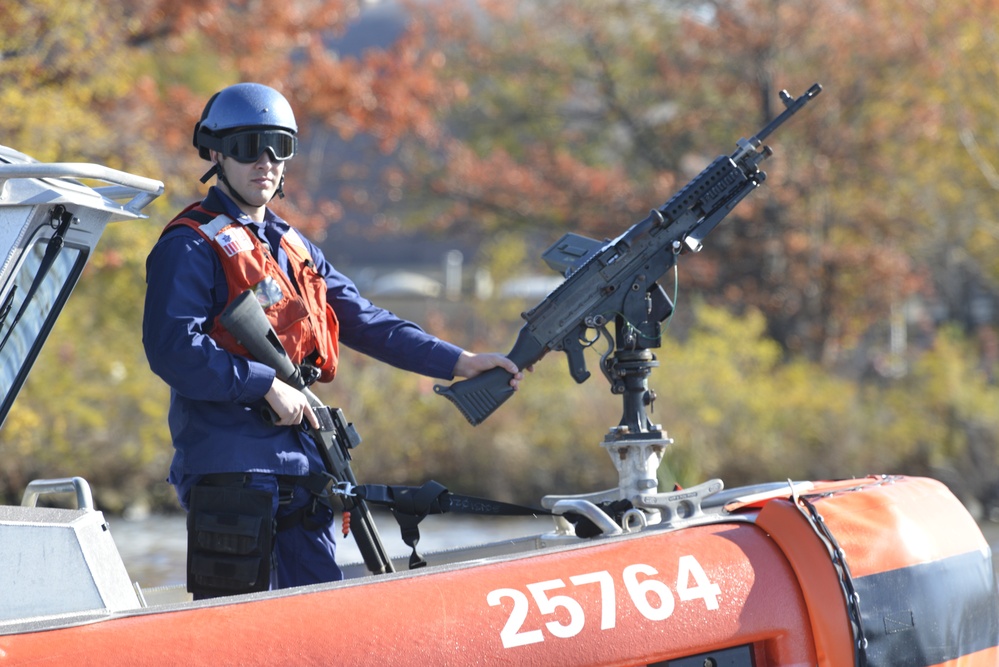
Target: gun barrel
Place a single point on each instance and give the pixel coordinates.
(793, 106)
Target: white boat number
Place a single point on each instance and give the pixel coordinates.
(651, 597)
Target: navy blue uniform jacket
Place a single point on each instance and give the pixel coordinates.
(215, 396)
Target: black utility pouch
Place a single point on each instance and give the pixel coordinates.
(229, 537)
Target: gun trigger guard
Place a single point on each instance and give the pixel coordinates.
(587, 342)
(604, 365)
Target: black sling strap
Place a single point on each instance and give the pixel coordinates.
(410, 504)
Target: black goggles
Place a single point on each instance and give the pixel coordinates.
(247, 146)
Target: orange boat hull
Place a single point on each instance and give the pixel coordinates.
(913, 585)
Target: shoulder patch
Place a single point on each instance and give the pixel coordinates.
(215, 225)
(293, 238)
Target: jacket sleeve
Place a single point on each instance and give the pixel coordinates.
(185, 291)
(381, 334)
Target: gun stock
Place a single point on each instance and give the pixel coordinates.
(478, 397)
(245, 319)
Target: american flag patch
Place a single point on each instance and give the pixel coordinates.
(234, 240)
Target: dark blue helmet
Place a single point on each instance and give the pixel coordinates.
(240, 113)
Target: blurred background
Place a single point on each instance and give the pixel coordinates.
(842, 321)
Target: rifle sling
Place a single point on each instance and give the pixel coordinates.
(410, 504)
(434, 498)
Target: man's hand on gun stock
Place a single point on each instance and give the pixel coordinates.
(291, 406)
(470, 364)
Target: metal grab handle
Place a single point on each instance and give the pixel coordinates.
(599, 518)
(77, 485)
(142, 190)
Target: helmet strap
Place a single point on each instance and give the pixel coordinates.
(217, 169)
(211, 172)
(228, 185)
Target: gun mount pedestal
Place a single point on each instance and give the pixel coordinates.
(636, 447)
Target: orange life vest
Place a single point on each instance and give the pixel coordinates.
(303, 320)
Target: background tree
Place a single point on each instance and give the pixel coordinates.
(590, 112)
(122, 84)
(534, 118)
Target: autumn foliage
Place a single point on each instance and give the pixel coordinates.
(834, 310)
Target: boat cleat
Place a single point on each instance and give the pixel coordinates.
(682, 506)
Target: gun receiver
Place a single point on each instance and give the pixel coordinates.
(616, 280)
(245, 319)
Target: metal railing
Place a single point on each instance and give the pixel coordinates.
(139, 189)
